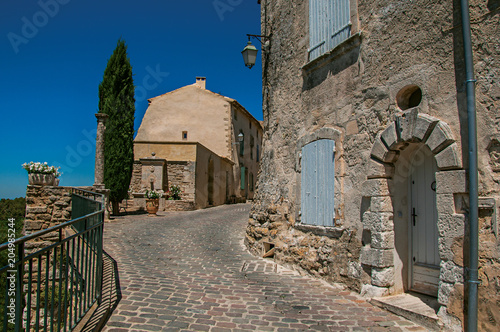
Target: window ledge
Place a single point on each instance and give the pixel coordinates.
(330, 232)
(341, 49)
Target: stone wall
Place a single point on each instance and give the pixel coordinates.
(356, 91)
(135, 182)
(178, 206)
(46, 207)
(182, 174)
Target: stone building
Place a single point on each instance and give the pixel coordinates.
(365, 153)
(206, 143)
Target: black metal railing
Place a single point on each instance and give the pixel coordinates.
(54, 276)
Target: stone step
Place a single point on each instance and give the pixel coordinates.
(417, 308)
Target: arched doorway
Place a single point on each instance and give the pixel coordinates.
(402, 248)
(423, 233)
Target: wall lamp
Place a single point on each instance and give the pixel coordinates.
(250, 52)
(240, 139)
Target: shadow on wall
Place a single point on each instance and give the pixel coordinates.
(330, 65)
(493, 4)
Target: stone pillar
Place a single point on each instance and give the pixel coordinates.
(99, 151)
(378, 252)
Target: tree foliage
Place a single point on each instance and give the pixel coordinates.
(12, 208)
(116, 99)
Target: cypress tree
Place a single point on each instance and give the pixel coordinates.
(116, 99)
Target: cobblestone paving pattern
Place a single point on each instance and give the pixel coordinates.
(189, 271)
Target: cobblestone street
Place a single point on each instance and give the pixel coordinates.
(189, 271)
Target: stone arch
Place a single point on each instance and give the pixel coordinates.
(412, 127)
(323, 133)
(409, 129)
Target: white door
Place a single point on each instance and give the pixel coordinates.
(424, 257)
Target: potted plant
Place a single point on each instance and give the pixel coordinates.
(174, 193)
(42, 174)
(152, 201)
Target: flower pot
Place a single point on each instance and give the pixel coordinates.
(152, 206)
(41, 179)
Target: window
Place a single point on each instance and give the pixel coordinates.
(184, 135)
(318, 183)
(329, 25)
(235, 115)
(250, 124)
(250, 182)
(258, 154)
(251, 147)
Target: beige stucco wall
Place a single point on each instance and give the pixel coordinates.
(171, 151)
(222, 170)
(203, 114)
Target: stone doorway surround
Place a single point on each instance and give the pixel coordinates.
(378, 250)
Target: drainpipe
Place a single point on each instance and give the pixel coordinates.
(473, 191)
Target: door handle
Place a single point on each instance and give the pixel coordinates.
(413, 216)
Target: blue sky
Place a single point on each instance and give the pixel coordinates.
(52, 58)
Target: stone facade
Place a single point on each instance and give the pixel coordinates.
(391, 92)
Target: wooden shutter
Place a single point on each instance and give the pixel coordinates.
(329, 25)
(318, 183)
(242, 178)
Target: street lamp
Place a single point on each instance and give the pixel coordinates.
(250, 52)
(240, 139)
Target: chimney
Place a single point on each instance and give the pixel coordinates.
(201, 82)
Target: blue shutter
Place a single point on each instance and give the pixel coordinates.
(329, 25)
(242, 178)
(318, 183)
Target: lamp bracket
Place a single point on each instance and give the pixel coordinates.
(258, 37)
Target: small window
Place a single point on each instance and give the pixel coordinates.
(184, 135)
(408, 97)
(235, 115)
(258, 154)
(250, 184)
(251, 147)
(250, 124)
